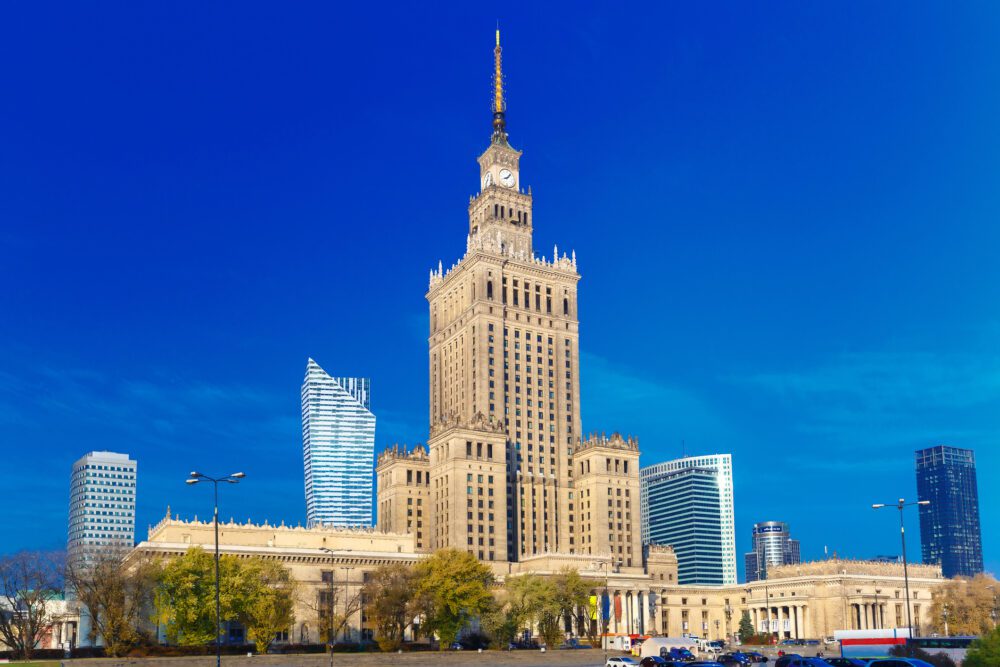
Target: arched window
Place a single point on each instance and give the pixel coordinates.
(489, 290)
(565, 306)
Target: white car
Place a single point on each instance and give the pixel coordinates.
(620, 662)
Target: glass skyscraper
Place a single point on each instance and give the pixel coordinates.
(772, 545)
(338, 448)
(949, 525)
(688, 504)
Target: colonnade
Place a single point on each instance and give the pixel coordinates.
(870, 616)
(788, 621)
(629, 612)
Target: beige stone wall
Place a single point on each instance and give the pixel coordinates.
(607, 498)
(468, 490)
(403, 494)
(504, 344)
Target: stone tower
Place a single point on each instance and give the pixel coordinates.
(504, 365)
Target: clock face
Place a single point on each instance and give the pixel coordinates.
(507, 178)
(488, 180)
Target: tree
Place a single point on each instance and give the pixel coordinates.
(264, 600)
(185, 596)
(746, 625)
(985, 651)
(332, 617)
(969, 605)
(572, 595)
(387, 595)
(116, 595)
(28, 582)
(452, 587)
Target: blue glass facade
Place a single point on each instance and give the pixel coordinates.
(949, 526)
(338, 448)
(683, 511)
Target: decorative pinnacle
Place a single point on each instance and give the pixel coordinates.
(499, 123)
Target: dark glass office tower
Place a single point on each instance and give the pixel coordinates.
(949, 526)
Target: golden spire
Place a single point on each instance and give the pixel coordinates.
(497, 78)
(499, 123)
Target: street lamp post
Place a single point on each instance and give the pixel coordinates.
(944, 615)
(900, 504)
(329, 633)
(234, 478)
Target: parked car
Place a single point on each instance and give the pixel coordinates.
(703, 663)
(756, 656)
(679, 654)
(456, 646)
(786, 659)
(653, 661)
(811, 642)
(846, 662)
(735, 659)
(898, 662)
(808, 662)
(620, 661)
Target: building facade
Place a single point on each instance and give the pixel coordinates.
(338, 448)
(101, 503)
(505, 444)
(801, 601)
(688, 504)
(949, 525)
(772, 545)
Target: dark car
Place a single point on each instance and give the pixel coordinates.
(653, 661)
(735, 659)
(846, 662)
(703, 663)
(679, 654)
(786, 660)
(756, 657)
(808, 662)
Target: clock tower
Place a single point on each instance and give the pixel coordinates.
(501, 212)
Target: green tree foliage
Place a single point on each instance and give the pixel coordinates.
(985, 651)
(265, 601)
(572, 595)
(185, 597)
(452, 587)
(117, 595)
(256, 592)
(746, 625)
(388, 604)
(969, 605)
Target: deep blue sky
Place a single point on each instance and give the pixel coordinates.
(786, 219)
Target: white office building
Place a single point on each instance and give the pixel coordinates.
(688, 504)
(338, 448)
(101, 502)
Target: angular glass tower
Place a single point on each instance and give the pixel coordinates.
(688, 504)
(949, 526)
(338, 448)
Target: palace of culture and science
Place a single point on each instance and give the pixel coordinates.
(506, 475)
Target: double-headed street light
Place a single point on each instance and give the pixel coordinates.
(234, 478)
(900, 504)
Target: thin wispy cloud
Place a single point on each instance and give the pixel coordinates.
(903, 397)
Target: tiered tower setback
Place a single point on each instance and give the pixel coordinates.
(504, 402)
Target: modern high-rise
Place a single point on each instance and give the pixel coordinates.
(688, 504)
(101, 503)
(338, 448)
(772, 545)
(949, 525)
(510, 476)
